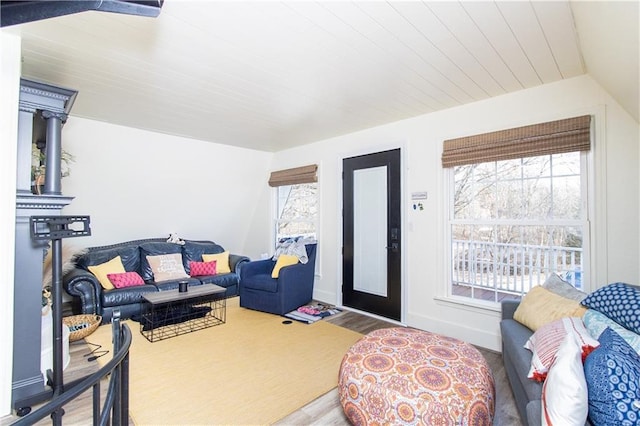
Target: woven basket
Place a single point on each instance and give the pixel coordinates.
(80, 326)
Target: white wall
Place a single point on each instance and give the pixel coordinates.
(10, 90)
(139, 184)
(134, 184)
(615, 160)
(622, 196)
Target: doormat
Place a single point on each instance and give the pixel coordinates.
(313, 312)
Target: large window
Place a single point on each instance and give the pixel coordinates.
(515, 217)
(297, 211)
(297, 202)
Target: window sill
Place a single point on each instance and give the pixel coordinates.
(467, 304)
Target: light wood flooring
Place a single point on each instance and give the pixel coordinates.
(325, 410)
(79, 411)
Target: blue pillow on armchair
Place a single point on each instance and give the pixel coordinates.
(612, 372)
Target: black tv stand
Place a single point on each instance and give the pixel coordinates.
(53, 228)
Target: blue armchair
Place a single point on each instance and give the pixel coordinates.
(293, 287)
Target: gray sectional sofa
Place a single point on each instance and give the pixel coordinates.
(517, 359)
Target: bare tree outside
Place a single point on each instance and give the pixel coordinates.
(297, 210)
(516, 221)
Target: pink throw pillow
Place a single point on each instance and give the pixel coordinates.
(126, 279)
(199, 269)
(545, 342)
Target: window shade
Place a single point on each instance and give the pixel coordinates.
(304, 174)
(553, 137)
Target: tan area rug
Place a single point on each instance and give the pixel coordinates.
(251, 370)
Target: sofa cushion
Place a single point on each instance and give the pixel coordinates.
(283, 260)
(613, 381)
(129, 255)
(596, 323)
(173, 284)
(101, 271)
(198, 269)
(126, 296)
(261, 282)
(154, 249)
(167, 267)
(540, 306)
(125, 279)
(618, 301)
(534, 412)
(222, 261)
(514, 337)
(223, 280)
(192, 251)
(564, 393)
(546, 341)
(557, 285)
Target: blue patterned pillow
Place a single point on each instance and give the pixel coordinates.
(618, 301)
(612, 372)
(596, 322)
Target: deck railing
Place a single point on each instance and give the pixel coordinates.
(512, 268)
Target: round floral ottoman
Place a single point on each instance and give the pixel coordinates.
(407, 376)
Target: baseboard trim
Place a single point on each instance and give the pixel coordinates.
(472, 335)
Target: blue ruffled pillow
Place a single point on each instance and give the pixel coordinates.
(596, 322)
(612, 372)
(618, 301)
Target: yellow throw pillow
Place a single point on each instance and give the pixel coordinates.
(114, 266)
(222, 259)
(283, 260)
(540, 306)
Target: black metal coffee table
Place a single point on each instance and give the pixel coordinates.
(172, 313)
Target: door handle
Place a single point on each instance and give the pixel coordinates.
(393, 247)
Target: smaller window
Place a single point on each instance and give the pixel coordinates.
(297, 211)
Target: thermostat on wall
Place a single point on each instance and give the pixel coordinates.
(419, 195)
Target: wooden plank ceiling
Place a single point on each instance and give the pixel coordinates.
(269, 76)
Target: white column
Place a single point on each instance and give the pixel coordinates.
(10, 46)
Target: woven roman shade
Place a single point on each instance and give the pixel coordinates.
(304, 174)
(553, 137)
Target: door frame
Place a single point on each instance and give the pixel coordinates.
(402, 146)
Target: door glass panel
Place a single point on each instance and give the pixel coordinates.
(370, 230)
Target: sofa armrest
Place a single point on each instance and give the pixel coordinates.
(295, 283)
(299, 275)
(508, 308)
(83, 284)
(257, 267)
(237, 261)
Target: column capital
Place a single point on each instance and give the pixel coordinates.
(59, 115)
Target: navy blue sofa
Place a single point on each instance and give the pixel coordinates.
(293, 287)
(90, 298)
